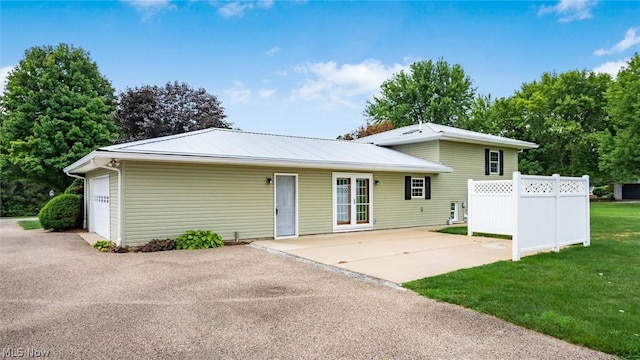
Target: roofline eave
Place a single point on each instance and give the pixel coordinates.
(85, 161)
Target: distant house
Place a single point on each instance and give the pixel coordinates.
(627, 191)
(247, 185)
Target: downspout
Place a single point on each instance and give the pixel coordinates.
(113, 168)
(84, 189)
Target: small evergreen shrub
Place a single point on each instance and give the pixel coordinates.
(602, 192)
(157, 245)
(199, 239)
(61, 213)
(103, 245)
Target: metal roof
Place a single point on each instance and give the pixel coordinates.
(429, 131)
(238, 147)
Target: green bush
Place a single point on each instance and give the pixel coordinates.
(76, 187)
(103, 245)
(199, 239)
(602, 191)
(61, 213)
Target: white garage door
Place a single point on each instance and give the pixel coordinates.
(100, 214)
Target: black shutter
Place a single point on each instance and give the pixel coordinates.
(487, 168)
(501, 162)
(427, 187)
(407, 187)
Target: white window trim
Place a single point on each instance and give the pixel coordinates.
(491, 152)
(455, 211)
(274, 206)
(421, 196)
(351, 227)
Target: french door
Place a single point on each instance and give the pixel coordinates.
(352, 201)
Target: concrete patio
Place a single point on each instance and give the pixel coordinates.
(397, 255)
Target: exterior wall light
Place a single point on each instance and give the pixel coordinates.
(269, 181)
(376, 182)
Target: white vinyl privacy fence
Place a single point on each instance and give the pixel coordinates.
(539, 212)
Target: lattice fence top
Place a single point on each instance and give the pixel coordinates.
(537, 186)
(572, 186)
(493, 187)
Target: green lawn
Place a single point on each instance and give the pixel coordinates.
(30, 224)
(462, 230)
(588, 296)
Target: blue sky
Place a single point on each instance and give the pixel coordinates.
(308, 67)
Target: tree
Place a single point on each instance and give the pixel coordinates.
(21, 198)
(620, 147)
(428, 92)
(152, 111)
(366, 130)
(56, 108)
(566, 115)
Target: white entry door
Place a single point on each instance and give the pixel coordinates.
(352, 202)
(100, 217)
(286, 204)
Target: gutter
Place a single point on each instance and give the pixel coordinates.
(84, 189)
(262, 162)
(113, 168)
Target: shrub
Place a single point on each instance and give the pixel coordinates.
(157, 245)
(61, 213)
(602, 191)
(103, 245)
(76, 187)
(199, 239)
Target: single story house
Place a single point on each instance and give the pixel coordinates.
(246, 185)
(627, 191)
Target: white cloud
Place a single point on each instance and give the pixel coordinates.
(337, 84)
(265, 4)
(4, 73)
(265, 94)
(274, 50)
(281, 73)
(630, 39)
(611, 67)
(148, 8)
(239, 8)
(238, 93)
(570, 10)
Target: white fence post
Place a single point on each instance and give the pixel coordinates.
(469, 204)
(587, 241)
(515, 248)
(556, 216)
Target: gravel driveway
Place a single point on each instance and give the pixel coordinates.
(58, 295)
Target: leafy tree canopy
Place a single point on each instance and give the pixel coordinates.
(152, 111)
(429, 92)
(620, 147)
(56, 108)
(565, 114)
(366, 130)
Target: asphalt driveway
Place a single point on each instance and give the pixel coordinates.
(60, 296)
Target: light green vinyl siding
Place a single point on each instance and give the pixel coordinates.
(429, 150)
(468, 162)
(391, 210)
(113, 199)
(166, 199)
(163, 200)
